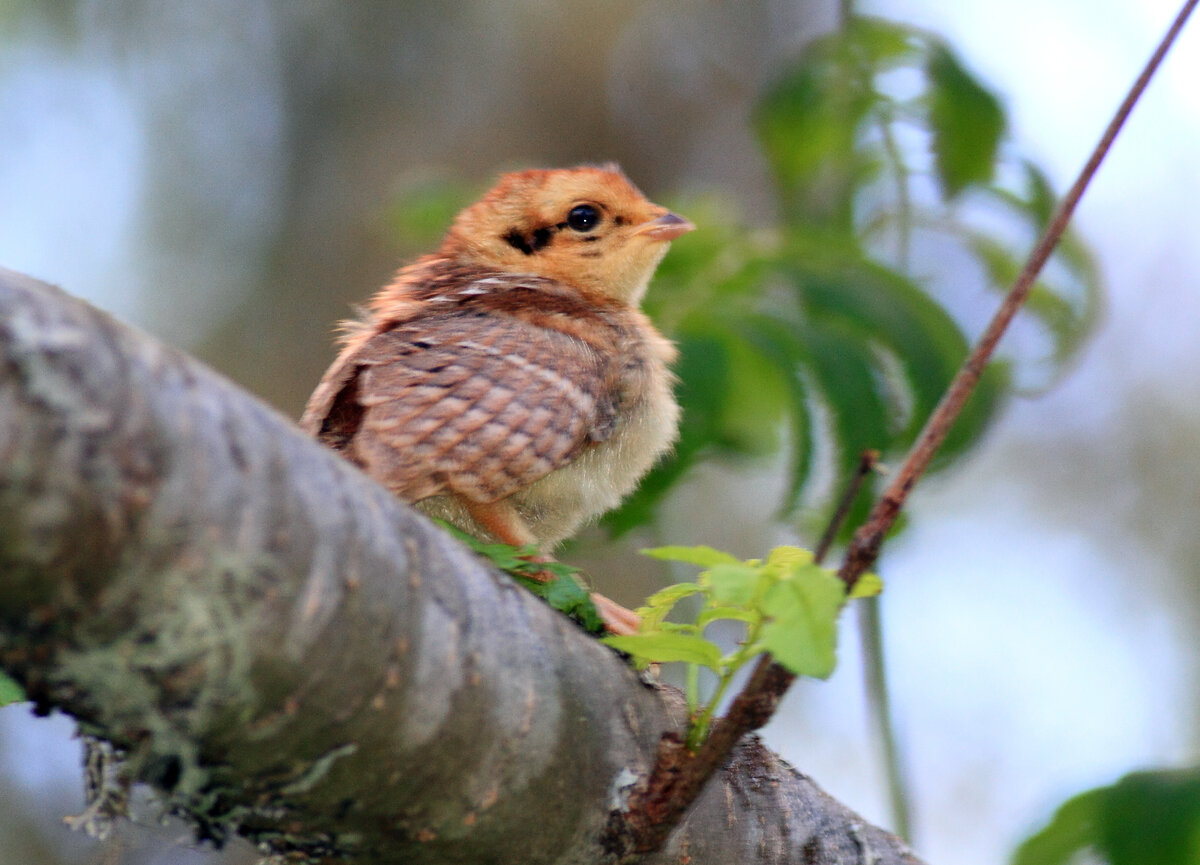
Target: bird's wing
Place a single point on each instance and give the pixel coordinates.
(476, 405)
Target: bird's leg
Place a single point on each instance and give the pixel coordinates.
(501, 520)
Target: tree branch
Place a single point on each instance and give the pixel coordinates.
(286, 652)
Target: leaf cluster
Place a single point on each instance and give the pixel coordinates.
(895, 195)
(556, 583)
(786, 605)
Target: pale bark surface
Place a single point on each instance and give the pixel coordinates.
(290, 654)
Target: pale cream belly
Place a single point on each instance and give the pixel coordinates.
(557, 505)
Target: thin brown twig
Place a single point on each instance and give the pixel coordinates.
(866, 464)
(666, 800)
(864, 548)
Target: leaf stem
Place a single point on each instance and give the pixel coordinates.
(750, 647)
(870, 626)
(903, 200)
(699, 728)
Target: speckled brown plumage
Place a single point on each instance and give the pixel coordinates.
(509, 383)
(475, 396)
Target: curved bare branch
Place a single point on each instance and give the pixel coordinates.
(287, 653)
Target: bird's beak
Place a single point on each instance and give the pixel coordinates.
(667, 227)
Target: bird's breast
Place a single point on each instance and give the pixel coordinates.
(607, 471)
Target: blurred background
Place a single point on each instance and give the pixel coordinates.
(231, 177)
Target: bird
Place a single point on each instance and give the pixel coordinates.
(509, 382)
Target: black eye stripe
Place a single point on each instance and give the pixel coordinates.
(518, 241)
(581, 219)
(531, 243)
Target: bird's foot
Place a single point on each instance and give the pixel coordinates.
(617, 619)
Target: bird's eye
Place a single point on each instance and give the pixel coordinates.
(583, 217)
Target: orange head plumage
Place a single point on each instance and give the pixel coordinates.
(588, 227)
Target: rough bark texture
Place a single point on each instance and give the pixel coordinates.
(288, 653)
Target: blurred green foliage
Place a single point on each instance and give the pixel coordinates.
(819, 325)
(10, 691)
(421, 214)
(1146, 818)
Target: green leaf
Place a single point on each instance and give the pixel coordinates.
(807, 125)
(565, 594)
(882, 42)
(532, 564)
(672, 594)
(811, 123)
(659, 605)
(504, 556)
(874, 350)
(734, 585)
(789, 557)
(847, 374)
(1068, 311)
(779, 344)
(1072, 830)
(672, 627)
(1059, 316)
(737, 614)
(10, 691)
(877, 305)
(703, 556)
(1041, 200)
(803, 632)
(1152, 818)
(666, 647)
(1146, 818)
(867, 585)
(967, 123)
(749, 423)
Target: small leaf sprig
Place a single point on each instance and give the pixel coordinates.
(563, 590)
(787, 604)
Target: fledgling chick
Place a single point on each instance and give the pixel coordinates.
(508, 383)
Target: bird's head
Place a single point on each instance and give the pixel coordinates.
(588, 227)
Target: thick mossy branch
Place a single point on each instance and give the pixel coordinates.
(287, 653)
